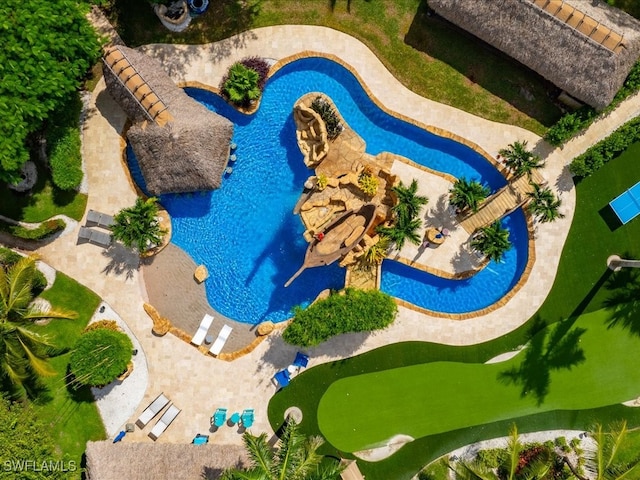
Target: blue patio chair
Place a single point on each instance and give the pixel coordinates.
(283, 377)
(247, 418)
(219, 417)
(200, 439)
(301, 360)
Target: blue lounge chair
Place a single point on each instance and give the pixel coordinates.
(247, 418)
(219, 417)
(301, 360)
(283, 377)
(200, 439)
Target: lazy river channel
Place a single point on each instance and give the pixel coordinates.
(245, 232)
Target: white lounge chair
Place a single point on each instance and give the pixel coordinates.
(198, 338)
(165, 420)
(152, 410)
(216, 348)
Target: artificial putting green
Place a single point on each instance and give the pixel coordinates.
(575, 366)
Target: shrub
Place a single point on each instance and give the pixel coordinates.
(63, 144)
(571, 123)
(42, 231)
(328, 115)
(9, 258)
(348, 311)
(368, 183)
(106, 324)
(492, 457)
(612, 146)
(99, 356)
(260, 66)
(241, 85)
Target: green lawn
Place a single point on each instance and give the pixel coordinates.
(362, 411)
(425, 53)
(43, 202)
(583, 285)
(72, 415)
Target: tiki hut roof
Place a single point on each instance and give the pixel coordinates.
(586, 48)
(158, 461)
(181, 146)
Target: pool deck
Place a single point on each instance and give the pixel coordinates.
(199, 384)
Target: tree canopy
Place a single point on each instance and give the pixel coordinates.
(47, 48)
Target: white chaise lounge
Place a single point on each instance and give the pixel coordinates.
(198, 338)
(216, 348)
(165, 420)
(152, 410)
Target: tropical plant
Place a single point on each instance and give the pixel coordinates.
(351, 310)
(409, 202)
(543, 204)
(99, 356)
(376, 253)
(294, 458)
(467, 194)
(241, 85)
(23, 439)
(492, 241)
(602, 457)
(43, 61)
(328, 115)
(401, 231)
(138, 226)
(519, 159)
(23, 352)
(368, 183)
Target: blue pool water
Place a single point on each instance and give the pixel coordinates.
(245, 232)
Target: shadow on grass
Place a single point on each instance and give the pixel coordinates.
(624, 301)
(332, 5)
(483, 65)
(610, 218)
(552, 349)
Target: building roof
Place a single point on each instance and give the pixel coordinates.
(158, 461)
(585, 48)
(181, 146)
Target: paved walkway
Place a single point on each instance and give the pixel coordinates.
(198, 384)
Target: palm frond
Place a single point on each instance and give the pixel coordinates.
(259, 451)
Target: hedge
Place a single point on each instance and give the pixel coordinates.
(99, 356)
(46, 228)
(603, 151)
(572, 123)
(348, 311)
(64, 145)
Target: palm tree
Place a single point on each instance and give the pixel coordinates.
(409, 202)
(492, 241)
(242, 84)
(401, 231)
(138, 226)
(295, 458)
(603, 461)
(23, 352)
(520, 160)
(467, 194)
(375, 254)
(544, 204)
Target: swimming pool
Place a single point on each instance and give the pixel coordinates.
(245, 232)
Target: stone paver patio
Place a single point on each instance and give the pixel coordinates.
(199, 384)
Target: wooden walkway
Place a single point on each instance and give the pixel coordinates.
(502, 203)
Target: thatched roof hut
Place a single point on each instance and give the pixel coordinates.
(158, 461)
(586, 48)
(181, 146)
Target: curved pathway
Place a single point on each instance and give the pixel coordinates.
(198, 384)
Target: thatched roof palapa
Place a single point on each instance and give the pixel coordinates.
(582, 66)
(181, 146)
(158, 461)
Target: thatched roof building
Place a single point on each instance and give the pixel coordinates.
(181, 146)
(586, 48)
(158, 461)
